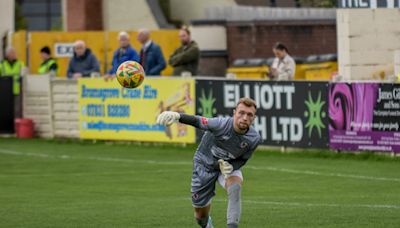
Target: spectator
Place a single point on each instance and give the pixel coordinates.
(49, 64)
(186, 57)
(83, 63)
(124, 53)
(283, 67)
(12, 67)
(151, 56)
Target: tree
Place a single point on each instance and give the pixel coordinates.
(319, 3)
(20, 22)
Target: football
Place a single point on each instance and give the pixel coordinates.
(130, 74)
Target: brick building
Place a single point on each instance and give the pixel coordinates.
(252, 31)
(84, 15)
(255, 39)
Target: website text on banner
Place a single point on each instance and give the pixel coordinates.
(364, 116)
(289, 113)
(108, 111)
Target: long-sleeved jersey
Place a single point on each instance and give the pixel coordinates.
(221, 141)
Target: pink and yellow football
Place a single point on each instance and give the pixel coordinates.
(130, 74)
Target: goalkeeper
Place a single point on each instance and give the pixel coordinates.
(225, 147)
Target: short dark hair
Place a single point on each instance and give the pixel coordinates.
(247, 102)
(186, 29)
(280, 46)
(46, 50)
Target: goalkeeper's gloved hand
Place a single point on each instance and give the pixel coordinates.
(225, 167)
(167, 118)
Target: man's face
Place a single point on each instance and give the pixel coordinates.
(243, 117)
(141, 38)
(123, 41)
(184, 37)
(44, 55)
(79, 50)
(279, 53)
(11, 55)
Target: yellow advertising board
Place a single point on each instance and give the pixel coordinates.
(110, 112)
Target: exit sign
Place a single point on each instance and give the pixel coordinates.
(63, 50)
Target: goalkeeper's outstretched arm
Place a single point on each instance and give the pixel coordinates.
(167, 118)
(190, 120)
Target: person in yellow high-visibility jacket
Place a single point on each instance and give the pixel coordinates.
(12, 67)
(49, 65)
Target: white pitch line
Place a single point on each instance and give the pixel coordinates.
(138, 161)
(298, 204)
(11, 152)
(307, 172)
(89, 173)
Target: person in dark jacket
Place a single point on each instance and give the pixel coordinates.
(83, 63)
(186, 57)
(124, 53)
(151, 56)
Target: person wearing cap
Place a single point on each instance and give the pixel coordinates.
(124, 53)
(49, 65)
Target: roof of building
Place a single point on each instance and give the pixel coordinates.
(248, 13)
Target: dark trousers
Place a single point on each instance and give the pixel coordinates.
(18, 106)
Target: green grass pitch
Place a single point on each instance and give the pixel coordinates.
(80, 184)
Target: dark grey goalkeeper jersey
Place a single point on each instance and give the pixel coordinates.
(220, 141)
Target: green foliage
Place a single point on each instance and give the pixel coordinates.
(57, 26)
(319, 3)
(20, 22)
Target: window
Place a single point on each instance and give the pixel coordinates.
(41, 15)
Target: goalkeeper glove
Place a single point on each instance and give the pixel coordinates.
(225, 167)
(167, 118)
